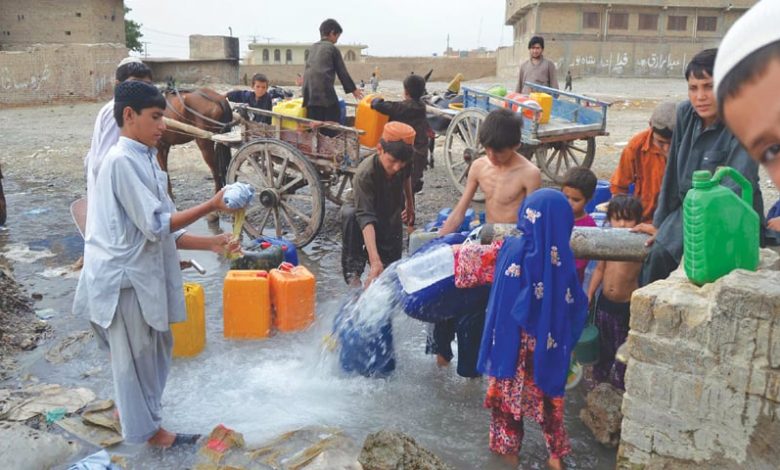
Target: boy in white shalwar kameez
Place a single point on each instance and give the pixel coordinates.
(131, 284)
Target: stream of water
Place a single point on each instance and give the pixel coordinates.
(264, 388)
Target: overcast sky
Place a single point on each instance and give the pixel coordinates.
(388, 28)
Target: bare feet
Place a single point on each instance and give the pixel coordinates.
(555, 464)
(511, 459)
(442, 361)
(162, 439)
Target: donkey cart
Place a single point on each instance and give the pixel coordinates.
(566, 141)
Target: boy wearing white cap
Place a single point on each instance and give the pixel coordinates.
(747, 73)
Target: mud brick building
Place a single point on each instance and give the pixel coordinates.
(641, 38)
(59, 50)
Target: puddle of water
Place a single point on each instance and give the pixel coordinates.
(263, 388)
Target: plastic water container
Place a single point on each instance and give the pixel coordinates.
(601, 194)
(288, 248)
(293, 291)
(419, 238)
(545, 101)
(292, 108)
(514, 96)
(428, 291)
(189, 337)
(720, 230)
(370, 121)
(426, 269)
(265, 258)
(342, 112)
(441, 217)
(246, 305)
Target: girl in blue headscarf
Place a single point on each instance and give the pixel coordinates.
(535, 316)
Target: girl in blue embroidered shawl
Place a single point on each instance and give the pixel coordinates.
(535, 315)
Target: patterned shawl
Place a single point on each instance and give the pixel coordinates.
(536, 289)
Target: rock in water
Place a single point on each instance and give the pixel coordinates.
(602, 414)
(390, 450)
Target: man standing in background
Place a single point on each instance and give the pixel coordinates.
(536, 69)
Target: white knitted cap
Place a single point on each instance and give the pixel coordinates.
(127, 60)
(757, 28)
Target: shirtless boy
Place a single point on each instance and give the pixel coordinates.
(506, 178)
(618, 280)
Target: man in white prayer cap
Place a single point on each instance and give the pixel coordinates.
(747, 74)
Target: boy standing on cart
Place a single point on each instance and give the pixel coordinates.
(319, 76)
(381, 202)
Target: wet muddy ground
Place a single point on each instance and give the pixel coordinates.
(268, 387)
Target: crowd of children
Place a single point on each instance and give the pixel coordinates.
(524, 336)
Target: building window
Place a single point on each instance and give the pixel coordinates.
(350, 57)
(707, 23)
(591, 20)
(277, 55)
(78, 14)
(677, 23)
(521, 27)
(618, 21)
(288, 56)
(306, 55)
(67, 33)
(648, 22)
(265, 56)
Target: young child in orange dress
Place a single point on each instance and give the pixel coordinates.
(535, 315)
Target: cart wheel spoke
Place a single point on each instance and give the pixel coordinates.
(558, 159)
(573, 157)
(289, 190)
(461, 146)
(289, 185)
(289, 220)
(572, 146)
(260, 173)
(269, 166)
(251, 179)
(282, 172)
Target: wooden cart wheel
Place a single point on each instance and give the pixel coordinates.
(290, 201)
(2, 200)
(337, 187)
(461, 147)
(556, 158)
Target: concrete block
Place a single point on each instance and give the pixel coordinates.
(642, 302)
(772, 389)
(763, 339)
(678, 355)
(757, 382)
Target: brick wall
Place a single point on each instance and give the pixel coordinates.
(24, 23)
(703, 377)
(195, 71)
(64, 72)
(390, 68)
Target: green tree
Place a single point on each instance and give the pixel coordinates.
(133, 34)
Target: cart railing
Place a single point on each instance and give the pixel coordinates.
(577, 109)
(304, 122)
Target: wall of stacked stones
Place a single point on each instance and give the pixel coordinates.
(703, 376)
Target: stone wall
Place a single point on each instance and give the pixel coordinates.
(390, 68)
(703, 377)
(195, 71)
(64, 72)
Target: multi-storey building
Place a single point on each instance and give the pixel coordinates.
(618, 37)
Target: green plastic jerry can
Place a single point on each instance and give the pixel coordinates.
(267, 258)
(720, 229)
